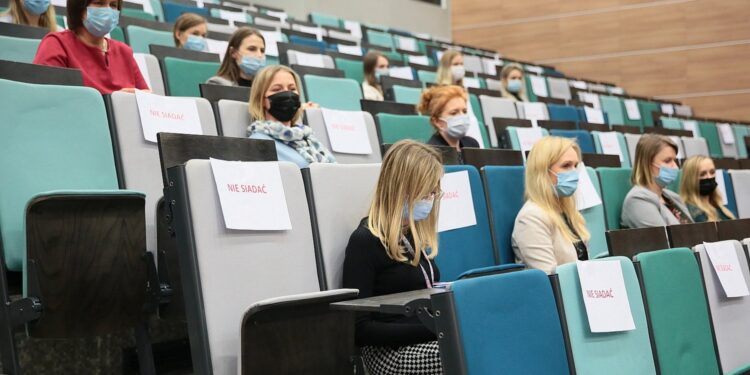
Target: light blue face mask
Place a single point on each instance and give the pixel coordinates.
(667, 175)
(422, 209)
(251, 65)
(380, 73)
(101, 21)
(567, 183)
(36, 7)
(514, 85)
(195, 43)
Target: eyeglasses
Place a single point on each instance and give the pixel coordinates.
(434, 195)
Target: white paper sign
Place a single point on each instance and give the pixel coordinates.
(680, 148)
(217, 46)
(534, 111)
(667, 108)
(470, 82)
(310, 59)
(251, 195)
(581, 85)
(403, 72)
(539, 86)
(605, 296)
(350, 50)
(167, 114)
(527, 137)
(457, 204)
(593, 115)
(724, 261)
(490, 66)
(691, 125)
(586, 195)
(232, 17)
(271, 38)
(590, 98)
(610, 144)
(140, 59)
(725, 131)
(409, 44)
(347, 131)
(722, 186)
(354, 28)
(631, 108)
(317, 31)
(421, 60)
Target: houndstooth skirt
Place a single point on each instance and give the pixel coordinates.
(422, 359)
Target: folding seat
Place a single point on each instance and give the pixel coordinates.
(532, 111)
(374, 107)
(325, 20)
(695, 146)
(408, 95)
(496, 107)
(740, 132)
(393, 128)
(18, 49)
(729, 189)
(182, 77)
(582, 137)
(40, 74)
(671, 123)
(380, 38)
(309, 42)
(647, 110)
(334, 93)
(389, 82)
(623, 148)
(683, 110)
(629, 242)
(353, 69)
(727, 140)
(253, 298)
(516, 138)
(710, 133)
(139, 38)
(476, 108)
(136, 13)
(22, 31)
(231, 16)
(596, 221)
(624, 352)
(632, 141)
(473, 64)
(671, 283)
(558, 88)
(615, 184)
(501, 324)
(309, 59)
(490, 156)
(172, 11)
(613, 107)
(741, 183)
(162, 52)
(504, 187)
(426, 76)
(314, 118)
(563, 112)
(151, 72)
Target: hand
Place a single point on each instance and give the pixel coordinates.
(132, 90)
(309, 105)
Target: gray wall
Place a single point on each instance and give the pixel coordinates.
(414, 16)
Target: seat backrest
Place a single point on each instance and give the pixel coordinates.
(596, 222)
(39, 133)
(234, 117)
(615, 184)
(184, 76)
(172, 11)
(230, 269)
(335, 93)
(213, 93)
(324, 19)
(376, 106)
(33, 73)
(671, 123)
(471, 247)
(729, 188)
(740, 132)
(563, 112)
(632, 141)
(626, 352)
(508, 322)
(22, 31)
(139, 38)
(613, 107)
(316, 121)
(647, 108)
(181, 53)
(426, 76)
(394, 128)
(672, 285)
(582, 137)
(741, 184)
(504, 187)
(307, 59)
(18, 49)
(694, 146)
(353, 69)
(496, 107)
(491, 156)
(379, 38)
(475, 110)
(623, 156)
(336, 222)
(558, 88)
(710, 133)
(728, 150)
(406, 95)
(516, 141)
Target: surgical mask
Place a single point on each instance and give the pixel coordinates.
(514, 85)
(101, 21)
(284, 105)
(251, 65)
(706, 186)
(458, 125)
(381, 72)
(458, 72)
(667, 175)
(195, 43)
(36, 7)
(567, 183)
(422, 209)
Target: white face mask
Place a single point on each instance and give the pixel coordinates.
(458, 125)
(458, 72)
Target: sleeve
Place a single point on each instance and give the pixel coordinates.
(641, 212)
(533, 238)
(140, 82)
(51, 53)
(360, 273)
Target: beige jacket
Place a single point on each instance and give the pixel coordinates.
(370, 92)
(536, 241)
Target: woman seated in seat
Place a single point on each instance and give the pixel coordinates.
(549, 230)
(513, 87)
(393, 251)
(105, 64)
(190, 31)
(446, 107)
(32, 13)
(698, 190)
(275, 110)
(245, 56)
(649, 203)
(451, 69)
(375, 66)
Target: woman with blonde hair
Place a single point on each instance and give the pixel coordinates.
(649, 203)
(698, 190)
(190, 31)
(447, 109)
(274, 107)
(31, 12)
(451, 69)
(549, 230)
(513, 86)
(393, 251)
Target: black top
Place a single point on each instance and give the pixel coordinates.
(244, 82)
(438, 140)
(368, 268)
(581, 250)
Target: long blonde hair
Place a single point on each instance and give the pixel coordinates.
(541, 191)
(444, 74)
(645, 151)
(410, 172)
(507, 69)
(261, 83)
(46, 19)
(690, 190)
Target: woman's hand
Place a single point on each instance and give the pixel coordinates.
(133, 90)
(309, 105)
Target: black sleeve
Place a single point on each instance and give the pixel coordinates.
(469, 142)
(364, 254)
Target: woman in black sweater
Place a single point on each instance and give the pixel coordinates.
(392, 251)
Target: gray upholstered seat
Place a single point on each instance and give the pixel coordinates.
(315, 120)
(496, 107)
(695, 146)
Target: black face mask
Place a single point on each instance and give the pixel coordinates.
(284, 105)
(707, 186)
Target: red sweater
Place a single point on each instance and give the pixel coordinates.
(112, 71)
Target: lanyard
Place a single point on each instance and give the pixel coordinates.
(429, 281)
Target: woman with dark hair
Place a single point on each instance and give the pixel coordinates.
(190, 31)
(375, 65)
(245, 56)
(105, 64)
